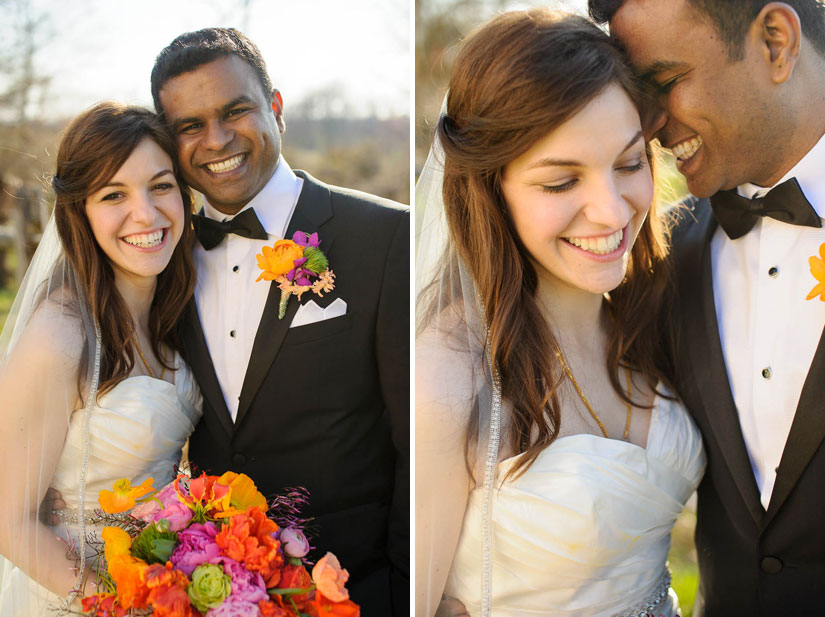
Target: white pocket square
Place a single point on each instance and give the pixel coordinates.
(310, 312)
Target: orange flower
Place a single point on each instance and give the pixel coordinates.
(328, 608)
(205, 495)
(128, 573)
(124, 496)
(296, 577)
(330, 578)
(242, 495)
(278, 259)
(248, 540)
(270, 609)
(818, 270)
(167, 592)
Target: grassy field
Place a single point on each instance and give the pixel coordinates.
(682, 559)
(6, 298)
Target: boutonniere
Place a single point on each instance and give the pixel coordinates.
(818, 271)
(298, 266)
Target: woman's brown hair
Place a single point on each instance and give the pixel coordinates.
(517, 78)
(95, 145)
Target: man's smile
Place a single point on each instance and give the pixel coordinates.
(226, 165)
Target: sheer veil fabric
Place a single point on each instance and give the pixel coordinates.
(49, 312)
(455, 384)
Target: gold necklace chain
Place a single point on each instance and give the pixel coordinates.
(146, 364)
(587, 403)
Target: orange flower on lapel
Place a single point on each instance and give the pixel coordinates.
(818, 271)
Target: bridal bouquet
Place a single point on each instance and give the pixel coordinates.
(206, 547)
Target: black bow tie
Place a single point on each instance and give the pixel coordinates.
(785, 202)
(211, 232)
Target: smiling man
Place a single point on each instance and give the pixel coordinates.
(741, 86)
(320, 397)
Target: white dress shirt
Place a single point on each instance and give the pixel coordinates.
(769, 332)
(230, 302)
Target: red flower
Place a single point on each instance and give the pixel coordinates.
(270, 609)
(248, 540)
(167, 592)
(296, 577)
(328, 608)
(103, 605)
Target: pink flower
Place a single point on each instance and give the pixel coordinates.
(174, 510)
(146, 511)
(235, 607)
(246, 585)
(196, 545)
(294, 542)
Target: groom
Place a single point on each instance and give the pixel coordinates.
(319, 398)
(742, 87)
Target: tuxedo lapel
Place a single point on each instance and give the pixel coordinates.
(314, 208)
(707, 362)
(201, 364)
(806, 435)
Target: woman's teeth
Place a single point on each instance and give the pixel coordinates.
(599, 246)
(145, 241)
(227, 165)
(686, 149)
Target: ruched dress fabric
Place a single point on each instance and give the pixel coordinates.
(136, 430)
(585, 531)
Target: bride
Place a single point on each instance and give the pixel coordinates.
(91, 385)
(551, 461)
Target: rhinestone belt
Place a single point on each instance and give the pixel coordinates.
(647, 607)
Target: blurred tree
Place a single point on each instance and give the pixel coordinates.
(23, 85)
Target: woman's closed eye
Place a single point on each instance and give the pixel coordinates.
(561, 187)
(632, 167)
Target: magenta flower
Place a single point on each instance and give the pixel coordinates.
(246, 585)
(196, 545)
(294, 542)
(302, 238)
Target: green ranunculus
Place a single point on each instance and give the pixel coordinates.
(209, 587)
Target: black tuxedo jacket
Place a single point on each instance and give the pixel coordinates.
(326, 405)
(751, 561)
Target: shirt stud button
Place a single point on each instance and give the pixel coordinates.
(766, 372)
(234, 268)
(232, 334)
(773, 272)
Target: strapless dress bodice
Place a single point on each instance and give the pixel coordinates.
(585, 530)
(136, 430)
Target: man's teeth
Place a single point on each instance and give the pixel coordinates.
(686, 149)
(145, 241)
(227, 165)
(599, 246)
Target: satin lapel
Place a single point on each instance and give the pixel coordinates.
(708, 363)
(313, 209)
(806, 435)
(201, 364)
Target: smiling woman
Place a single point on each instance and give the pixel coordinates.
(537, 344)
(98, 313)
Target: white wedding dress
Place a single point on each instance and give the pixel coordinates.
(136, 430)
(585, 531)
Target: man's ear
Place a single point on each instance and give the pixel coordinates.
(780, 32)
(278, 108)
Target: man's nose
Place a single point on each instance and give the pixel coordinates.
(654, 118)
(217, 136)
